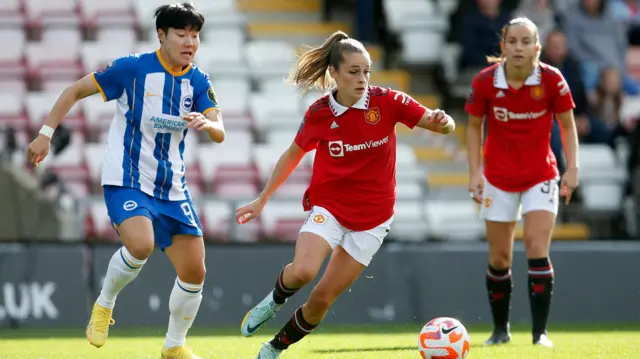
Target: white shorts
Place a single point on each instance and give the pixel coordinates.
(362, 246)
(500, 206)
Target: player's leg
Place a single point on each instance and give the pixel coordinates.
(540, 206)
(129, 210)
(318, 236)
(183, 243)
(345, 266)
(500, 211)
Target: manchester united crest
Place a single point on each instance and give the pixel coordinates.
(537, 92)
(487, 202)
(372, 116)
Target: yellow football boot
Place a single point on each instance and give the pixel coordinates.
(178, 353)
(98, 328)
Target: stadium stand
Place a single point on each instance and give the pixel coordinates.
(248, 47)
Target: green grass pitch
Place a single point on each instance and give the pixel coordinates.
(370, 342)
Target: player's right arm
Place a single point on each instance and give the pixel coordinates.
(289, 160)
(109, 82)
(476, 107)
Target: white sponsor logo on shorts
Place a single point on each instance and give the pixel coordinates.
(130, 205)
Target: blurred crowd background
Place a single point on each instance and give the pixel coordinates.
(429, 49)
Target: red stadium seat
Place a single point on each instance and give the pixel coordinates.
(96, 55)
(11, 54)
(236, 189)
(41, 13)
(107, 13)
(216, 218)
(70, 163)
(53, 60)
(12, 111)
(282, 219)
(99, 222)
(11, 14)
(38, 105)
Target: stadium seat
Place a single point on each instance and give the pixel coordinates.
(96, 55)
(123, 36)
(601, 197)
(230, 36)
(409, 190)
(222, 60)
(102, 226)
(420, 15)
(395, 79)
(407, 167)
(447, 179)
(70, 35)
(269, 59)
(93, 153)
(38, 105)
(11, 14)
(278, 85)
(12, 111)
(16, 87)
(96, 13)
(282, 220)
(275, 111)
(266, 156)
(99, 114)
(53, 59)
(236, 190)
(42, 13)
(426, 54)
(563, 232)
(298, 32)
(217, 218)
(233, 95)
(70, 163)
(11, 54)
(453, 220)
(281, 137)
(56, 85)
(409, 223)
(228, 161)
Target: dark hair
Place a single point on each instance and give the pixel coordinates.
(601, 94)
(503, 36)
(178, 16)
(311, 68)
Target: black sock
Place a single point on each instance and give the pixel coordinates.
(540, 292)
(281, 293)
(292, 332)
(499, 287)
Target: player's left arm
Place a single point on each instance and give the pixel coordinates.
(411, 113)
(207, 115)
(562, 105)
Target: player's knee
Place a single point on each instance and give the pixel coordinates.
(500, 259)
(192, 273)
(321, 299)
(536, 246)
(304, 273)
(140, 249)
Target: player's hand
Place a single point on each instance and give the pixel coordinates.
(197, 121)
(38, 149)
(568, 184)
(250, 211)
(476, 187)
(438, 116)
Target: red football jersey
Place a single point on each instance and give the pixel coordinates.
(355, 161)
(517, 150)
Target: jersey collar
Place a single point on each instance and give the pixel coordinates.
(500, 78)
(338, 109)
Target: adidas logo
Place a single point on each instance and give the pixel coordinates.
(334, 125)
(500, 94)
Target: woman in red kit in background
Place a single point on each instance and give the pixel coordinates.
(518, 97)
(352, 192)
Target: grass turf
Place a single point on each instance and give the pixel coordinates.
(371, 342)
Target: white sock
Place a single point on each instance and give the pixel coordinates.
(184, 303)
(123, 268)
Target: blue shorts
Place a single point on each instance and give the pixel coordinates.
(169, 218)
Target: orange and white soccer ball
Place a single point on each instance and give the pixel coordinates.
(444, 338)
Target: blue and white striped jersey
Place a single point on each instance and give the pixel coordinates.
(145, 145)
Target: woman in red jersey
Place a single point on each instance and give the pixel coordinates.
(352, 192)
(519, 96)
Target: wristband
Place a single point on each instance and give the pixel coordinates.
(47, 131)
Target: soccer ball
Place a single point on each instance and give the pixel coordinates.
(444, 338)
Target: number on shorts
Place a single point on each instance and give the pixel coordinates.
(546, 187)
(186, 209)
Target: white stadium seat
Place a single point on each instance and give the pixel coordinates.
(453, 220)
